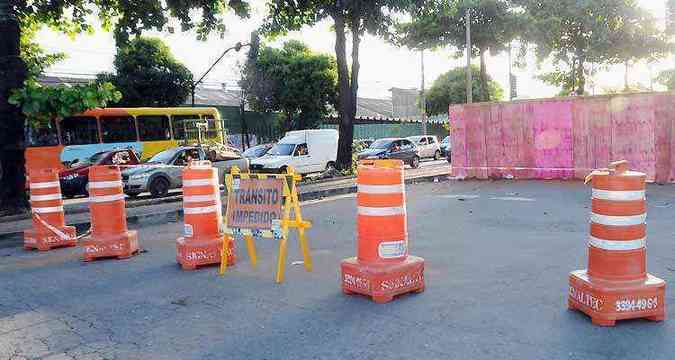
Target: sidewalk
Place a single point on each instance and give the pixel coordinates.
(154, 211)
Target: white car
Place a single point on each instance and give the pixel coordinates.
(307, 151)
(427, 146)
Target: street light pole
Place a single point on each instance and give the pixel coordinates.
(469, 92)
(194, 85)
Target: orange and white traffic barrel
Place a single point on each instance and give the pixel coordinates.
(203, 238)
(382, 268)
(49, 229)
(110, 236)
(616, 284)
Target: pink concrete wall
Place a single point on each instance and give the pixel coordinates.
(564, 138)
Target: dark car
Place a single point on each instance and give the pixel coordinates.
(446, 148)
(257, 151)
(74, 180)
(392, 148)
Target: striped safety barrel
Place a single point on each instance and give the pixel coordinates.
(203, 236)
(617, 235)
(382, 220)
(106, 201)
(202, 206)
(49, 228)
(110, 236)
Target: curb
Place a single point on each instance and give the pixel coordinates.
(174, 215)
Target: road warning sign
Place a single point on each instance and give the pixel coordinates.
(255, 203)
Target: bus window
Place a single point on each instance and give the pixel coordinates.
(116, 129)
(153, 128)
(79, 130)
(42, 133)
(178, 124)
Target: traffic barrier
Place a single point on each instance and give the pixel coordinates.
(616, 285)
(49, 229)
(382, 268)
(202, 242)
(109, 236)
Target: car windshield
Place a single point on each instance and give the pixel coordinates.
(94, 159)
(281, 149)
(163, 157)
(254, 151)
(381, 144)
(415, 139)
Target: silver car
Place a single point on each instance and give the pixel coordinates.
(427, 146)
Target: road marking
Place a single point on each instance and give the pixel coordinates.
(511, 198)
(460, 196)
(327, 199)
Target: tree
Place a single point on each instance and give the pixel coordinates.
(667, 78)
(147, 74)
(439, 23)
(354, 16)
(450, 88)
(292, 80)
(73, 16)
(574, 34)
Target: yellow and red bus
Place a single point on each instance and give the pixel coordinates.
(146, 130)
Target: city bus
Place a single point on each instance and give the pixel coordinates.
(148, 131)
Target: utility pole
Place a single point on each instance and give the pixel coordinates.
(469, 93)
(423, 98)
(194, 85)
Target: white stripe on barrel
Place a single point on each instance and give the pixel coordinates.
(613, 245)
(619, 195)
(106, 198)
(46, 210)
(201, 210)
(199, 198)
(105, 184)
(44, 185)
(381, 189)
(628, 220)
(381, 211)
(48, 197)
(199, 182)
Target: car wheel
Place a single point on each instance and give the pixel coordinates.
(415, 162)
(283, 170)
(437, 155)
(330, 166)
(132, 195)
(159, 187)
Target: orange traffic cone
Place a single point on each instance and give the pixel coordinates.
(382, 268)
(49, 229)
(203, 211)
(110, 236)
(616, 284)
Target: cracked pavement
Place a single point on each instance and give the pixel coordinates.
(497, 259)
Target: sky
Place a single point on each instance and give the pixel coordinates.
(383, 65)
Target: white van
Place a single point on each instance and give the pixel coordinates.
(307, 151)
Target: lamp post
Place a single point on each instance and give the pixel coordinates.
(194, 85)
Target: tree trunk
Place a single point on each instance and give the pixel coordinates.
(12, 76)
(625, 76)
(344, 160)
(581, 88)
(484, 88)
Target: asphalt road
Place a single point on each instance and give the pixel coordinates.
(424, 165)
(497, 259)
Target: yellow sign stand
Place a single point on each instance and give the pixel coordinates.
(280, 228)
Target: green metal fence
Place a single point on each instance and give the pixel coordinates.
(378, 131)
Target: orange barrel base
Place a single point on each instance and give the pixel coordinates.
(47, 241)
(120, 246)
(382, 281)
(608, 301)
(206, 251)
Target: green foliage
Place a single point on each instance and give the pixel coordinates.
(450, 88)
(41, 103)
(357, 147)
(667, 78)
(35, 57)
(573, 34)
(147, 74)
(292, 80)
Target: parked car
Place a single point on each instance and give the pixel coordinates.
(74, 180)
(308, 151)
(164, 171)
(392, 148)
(446, 148)
(257, 151)
(427, 146)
